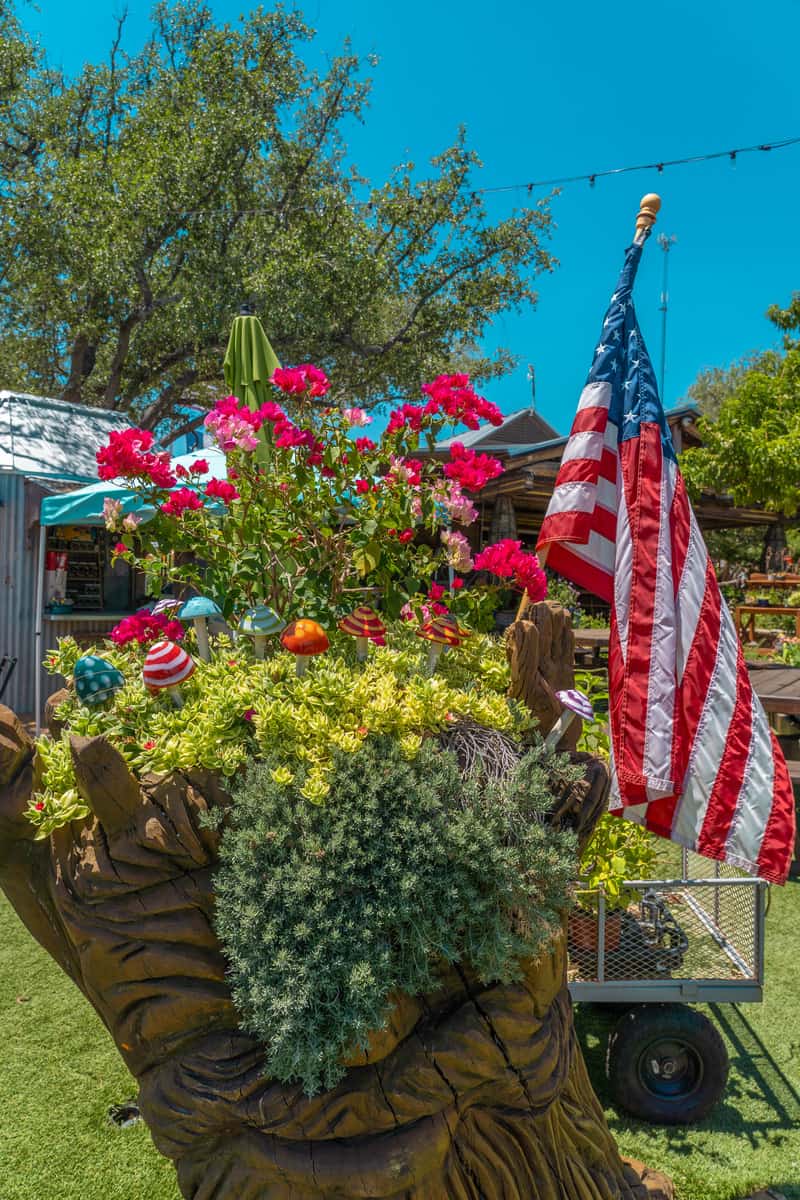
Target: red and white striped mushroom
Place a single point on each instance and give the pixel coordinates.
(165, 667)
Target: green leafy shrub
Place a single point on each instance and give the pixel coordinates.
(325, 911)
(619, 850)
(238, 708)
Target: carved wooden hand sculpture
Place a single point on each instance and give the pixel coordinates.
(474, 1093)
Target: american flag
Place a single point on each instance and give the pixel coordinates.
(693, 757)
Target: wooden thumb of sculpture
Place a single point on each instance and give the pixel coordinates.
(474, 1093)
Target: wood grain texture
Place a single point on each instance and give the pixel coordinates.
(472, 1093)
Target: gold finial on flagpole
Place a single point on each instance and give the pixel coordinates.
(646, 216)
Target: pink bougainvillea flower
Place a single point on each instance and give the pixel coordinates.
(221, 490)
(181, 471)
(508, 560)
(120, 548)
(435, 591)
(199, 467)
(180, 501)
(357, 417)
(233, 424)
(128, 456)
(457, 583)
(293, 381)
(472, 471)
(365, 445)
(145, 627)
(362, 486)
(457, 549)
(130, 522)
(410, 415)
(405, 536)
(112, 512)
(458, 507)
(453, 397)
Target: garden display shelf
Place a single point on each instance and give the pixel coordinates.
(476, 1090)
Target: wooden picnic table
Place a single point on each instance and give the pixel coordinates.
(751, 611)
(590, 644)
(777, 687)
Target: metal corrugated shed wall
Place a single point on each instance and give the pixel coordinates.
(17, 592)
(18, 563)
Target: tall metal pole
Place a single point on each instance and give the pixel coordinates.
(666, 242)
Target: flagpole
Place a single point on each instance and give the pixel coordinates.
(649, 206)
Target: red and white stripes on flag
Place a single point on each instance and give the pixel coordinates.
(694, 759)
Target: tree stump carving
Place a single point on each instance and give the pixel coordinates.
(473, 1093)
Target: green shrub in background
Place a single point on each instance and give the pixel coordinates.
(325, 910)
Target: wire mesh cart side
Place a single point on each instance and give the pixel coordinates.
(697, 938)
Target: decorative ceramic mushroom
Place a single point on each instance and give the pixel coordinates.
(575, 704)
(96, 680)
(259, 623)
(166, 604)
(165, 667)
(442, 632)
(363, 624)
(198, 609)
(304, 638)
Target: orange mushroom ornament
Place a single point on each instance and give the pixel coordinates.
(442, 632)
(304, 638)
(363, 624)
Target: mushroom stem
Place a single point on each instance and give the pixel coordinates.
(362, 647)
(177, 698)
(302, 663)
(260, 645)
(201, 633)
(559, 729)
(434, 650)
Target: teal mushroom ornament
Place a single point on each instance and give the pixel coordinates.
(259, 623)
(198, 609)
(96, 680)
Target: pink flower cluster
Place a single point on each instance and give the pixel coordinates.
(356, 417)
(145, 627)
(407, 414)
(457, 547)
(453, 396)
(458, 507)
(471, 470)
(180, 501)
(221, 490)
(234, 425)
(128, 456)
(508, 560)
(404, 470)
(293, 381)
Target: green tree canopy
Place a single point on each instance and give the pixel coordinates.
(145, 199)
(751, 450)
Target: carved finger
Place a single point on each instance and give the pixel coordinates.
(105, 782)
(16, 778)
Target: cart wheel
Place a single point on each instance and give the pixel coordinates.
(666, 1064)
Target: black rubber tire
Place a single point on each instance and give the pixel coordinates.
(666, 1064)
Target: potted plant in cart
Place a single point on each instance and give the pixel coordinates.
(618, 851)
(321, 910)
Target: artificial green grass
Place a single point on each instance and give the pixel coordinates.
(60, 1073)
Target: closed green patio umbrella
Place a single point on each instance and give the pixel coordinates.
(249, 363)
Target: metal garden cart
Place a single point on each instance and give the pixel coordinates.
(696, 939)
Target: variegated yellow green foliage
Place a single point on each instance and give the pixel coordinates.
(237, 708)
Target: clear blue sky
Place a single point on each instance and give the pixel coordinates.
(552, 89)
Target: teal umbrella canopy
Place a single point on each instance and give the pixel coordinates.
(249, 362)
